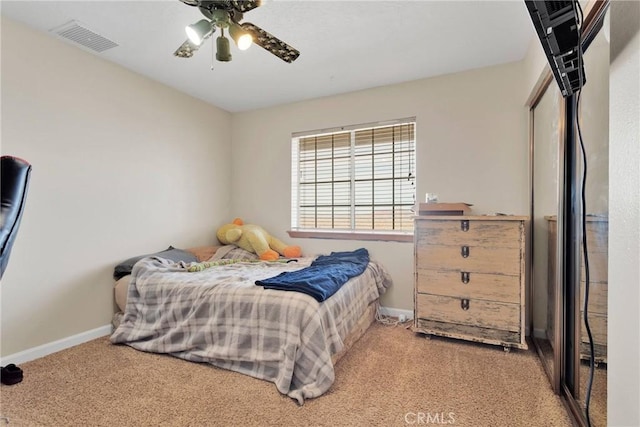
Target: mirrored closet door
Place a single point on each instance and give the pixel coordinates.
(566, 351)
(545, 151)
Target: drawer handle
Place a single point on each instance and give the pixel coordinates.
(464, 304)
(464, 225)
(465, 252)
(465, 277)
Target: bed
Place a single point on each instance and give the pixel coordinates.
(220, 316)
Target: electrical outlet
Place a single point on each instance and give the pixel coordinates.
(402, 318)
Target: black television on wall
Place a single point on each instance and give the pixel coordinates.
(556, 24)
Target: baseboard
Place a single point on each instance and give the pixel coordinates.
(56, 346)
(396, 312)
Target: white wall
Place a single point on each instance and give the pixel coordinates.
(624, 217)
(535, 62)
(122, 166)
(471, 146)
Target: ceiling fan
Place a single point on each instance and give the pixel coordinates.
(226, 15)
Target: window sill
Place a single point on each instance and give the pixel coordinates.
(351, 235)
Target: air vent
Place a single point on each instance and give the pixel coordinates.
(80, 34)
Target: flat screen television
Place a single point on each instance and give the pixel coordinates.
(556, 24)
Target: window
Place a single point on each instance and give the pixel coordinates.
(357, 179)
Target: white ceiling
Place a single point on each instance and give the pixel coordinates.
(345, 45)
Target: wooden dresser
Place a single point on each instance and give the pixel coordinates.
(470, 278)
(598, 250)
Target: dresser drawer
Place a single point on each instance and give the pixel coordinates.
(597, 236)
(479, 259)
(503, 234)
(472, 333)
(598, 325)
(597, 248)
(490, 287)
(597, 297)
(485, 314)
(598, 266)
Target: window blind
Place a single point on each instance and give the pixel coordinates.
(360, 179)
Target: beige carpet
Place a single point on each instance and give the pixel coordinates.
(391, 377)
(598, 405)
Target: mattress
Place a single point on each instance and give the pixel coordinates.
(219, 316)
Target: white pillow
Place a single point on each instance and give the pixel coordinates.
(121, 289)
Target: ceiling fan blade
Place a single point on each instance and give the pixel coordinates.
(191, 2)
(243, 6)
(271, 43)
(186, 50)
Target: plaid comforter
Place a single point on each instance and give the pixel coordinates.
(221, 317)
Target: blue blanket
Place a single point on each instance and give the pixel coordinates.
(324, 277)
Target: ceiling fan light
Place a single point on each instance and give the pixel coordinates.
(239, 35)
(199, 31)
(223, 51)
(244, 42)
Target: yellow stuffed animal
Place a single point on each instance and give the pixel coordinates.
(254, 238)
